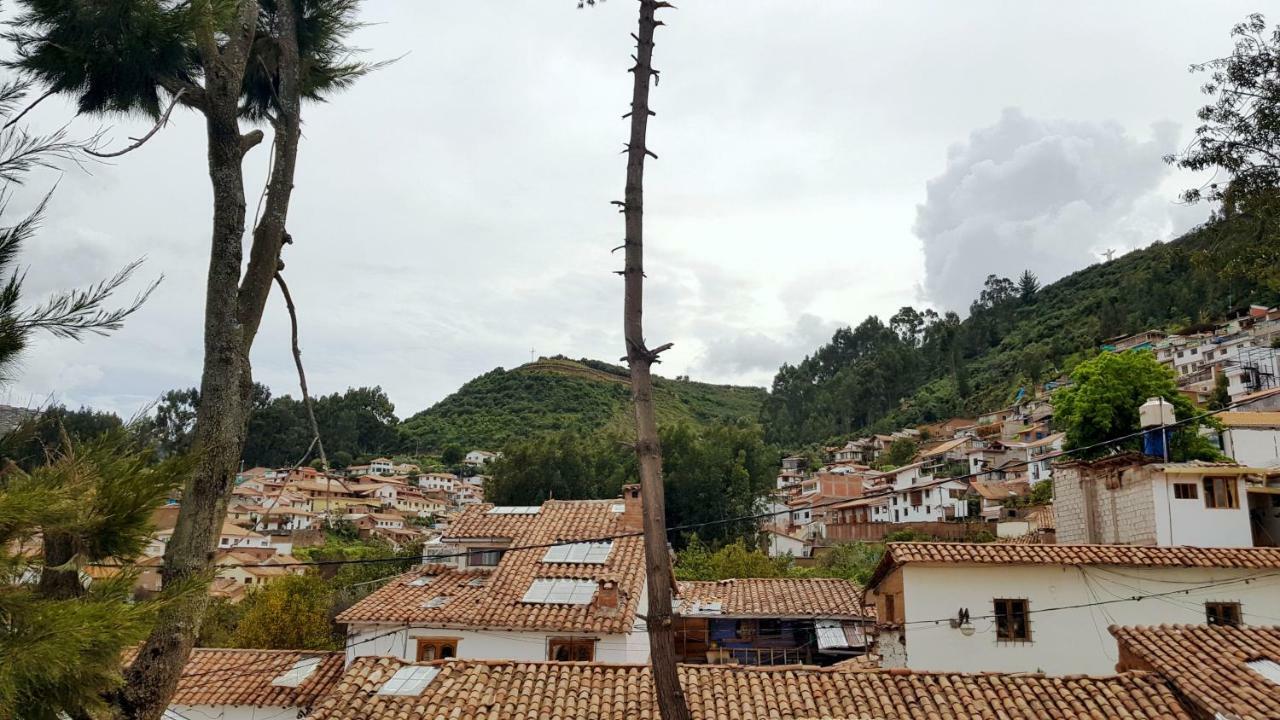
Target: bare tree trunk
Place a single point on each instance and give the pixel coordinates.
(671, 702)
(233, 312)
(302, 375)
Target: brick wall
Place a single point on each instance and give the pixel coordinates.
(1104, 503)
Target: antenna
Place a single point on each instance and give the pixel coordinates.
(531, 350)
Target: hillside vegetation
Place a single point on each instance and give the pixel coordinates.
(558, 394)
(921, 366)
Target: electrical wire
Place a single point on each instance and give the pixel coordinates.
(722, 521)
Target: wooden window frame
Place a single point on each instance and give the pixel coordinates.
(1005, 615)
(1213, 499)
(439, 644)
(1186, 491)
(573, 644)
(1215, 608)
(890, 608)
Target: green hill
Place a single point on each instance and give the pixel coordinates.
(919, 367)
(555, 394)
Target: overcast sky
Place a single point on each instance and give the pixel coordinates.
(820, 162)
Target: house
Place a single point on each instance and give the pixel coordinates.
(769, 621)
(444, 482)
(1029, 524)
(578, 599)
(1013, 608)
(1221, 671)
(916, 496)
(1251, 438)
(388, 688)
(476, 458)
(251, 684)
(1129, 499)
(994, 495)
(381, 466)
(1145, 340)
(779, 543)
(231, 537)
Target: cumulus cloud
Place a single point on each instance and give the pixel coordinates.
(756, 356)
(1043, 195)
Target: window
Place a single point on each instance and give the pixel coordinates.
(572, 649)
(301, 670)
(487, 557)
(747, 630)
(436, 649)
(560, 591)
(1220, 493)
(917, 498)
(1222, 613)
(1185, 491)
(590, 553)
(1011, 620)
(890, 608)
(409, 680)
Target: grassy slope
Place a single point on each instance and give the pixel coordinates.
(558, 394)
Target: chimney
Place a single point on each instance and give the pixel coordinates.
(607, 595)
(632, 519)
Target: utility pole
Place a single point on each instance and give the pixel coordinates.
(662, 651)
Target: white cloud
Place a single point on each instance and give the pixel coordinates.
(1043, 195)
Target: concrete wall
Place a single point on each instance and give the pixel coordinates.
(1255, 447)
(1189, 522)
(1063, 641)
(490, 644)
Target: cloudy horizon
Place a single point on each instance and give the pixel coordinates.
(452, 212)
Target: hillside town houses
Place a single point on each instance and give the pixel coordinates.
(1124, 586)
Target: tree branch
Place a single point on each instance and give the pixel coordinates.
(302, 375)
(28, 108)
(139, 142)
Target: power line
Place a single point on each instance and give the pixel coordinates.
(737, 519)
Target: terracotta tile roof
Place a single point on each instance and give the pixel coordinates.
(778, 597)
(899, 553)
(1249, 419)
(998, 490)
(1043, 517)
(223, 676)
(500, 603)
(468, 689)
(1206, 664)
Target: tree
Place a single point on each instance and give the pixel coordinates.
(1240, 130)
(452, 455)
(229, 61)
(1220, 398)
(735, 560)
(289, 613)
(1028, 286)
(1102, 402)
(1240, 137)
(640, 359)
(900, 452)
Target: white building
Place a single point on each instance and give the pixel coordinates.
(381, 466)
(1045, 608)
(1251, 438)
(576, 601)
(444, 482)
(476, 458)
(915, 496)
(1129, 500)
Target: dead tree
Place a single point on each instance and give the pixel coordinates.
(640, 359)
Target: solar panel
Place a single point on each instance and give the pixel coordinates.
(296, 675)
(409, 680)
(560, 591)
(437, 601)
(588, 553)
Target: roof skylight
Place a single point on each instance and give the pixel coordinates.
(589, 553)
(296, 675)
(1269, 669)
(421, 581)
(560, 591)
(409, 680)
(437, 601)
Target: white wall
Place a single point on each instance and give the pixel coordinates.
(1254, 447)
(1067, 641)
(235, 712)
(1189, 522)
(490, 644)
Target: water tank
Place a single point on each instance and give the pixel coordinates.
(1155, 412)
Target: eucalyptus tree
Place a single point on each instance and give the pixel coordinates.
(238, 63)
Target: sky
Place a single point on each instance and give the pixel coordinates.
(820, 162)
